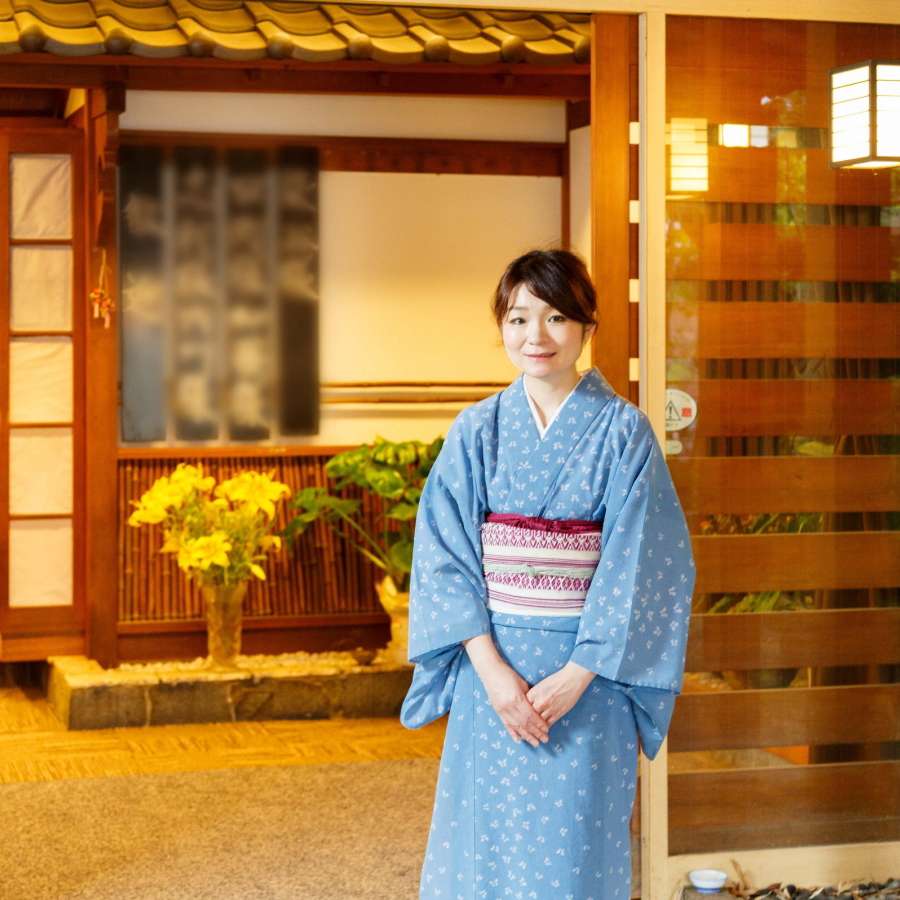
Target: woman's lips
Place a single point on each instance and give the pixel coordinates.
(539, 355)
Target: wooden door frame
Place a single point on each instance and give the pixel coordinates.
(56, 629)
(662, 874)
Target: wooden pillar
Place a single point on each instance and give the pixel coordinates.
(613, 36)
(103, 106)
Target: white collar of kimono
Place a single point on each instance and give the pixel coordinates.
(541, 428)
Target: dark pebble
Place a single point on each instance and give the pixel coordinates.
(791, 889)
(802, 895)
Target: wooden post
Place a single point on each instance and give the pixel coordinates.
(652, 354)
(101, 376)
(610, 155)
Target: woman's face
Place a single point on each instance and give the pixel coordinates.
(539, 339)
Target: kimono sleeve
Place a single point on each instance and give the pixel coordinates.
(448, 595)
(634, 625)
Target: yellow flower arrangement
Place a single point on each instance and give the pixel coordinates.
(220, 534)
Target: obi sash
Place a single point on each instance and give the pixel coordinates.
(535, 566)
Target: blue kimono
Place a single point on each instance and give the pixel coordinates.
(548, 822)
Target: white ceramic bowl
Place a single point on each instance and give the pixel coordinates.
(708, 881)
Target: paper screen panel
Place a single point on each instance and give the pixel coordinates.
(41, 188)
(40, 380)
(40, 562)
(41, 289)
(40, 471)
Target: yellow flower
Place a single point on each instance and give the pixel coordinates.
(257, 571)
(206, 551)
(188, 478)
(161, 500)
(270, 542)
(254, 492)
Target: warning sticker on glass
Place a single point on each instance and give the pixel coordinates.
(681, 409)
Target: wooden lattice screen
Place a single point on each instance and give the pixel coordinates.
(323, 575)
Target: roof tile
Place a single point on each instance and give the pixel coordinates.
(378, 25)
(60, 40)
(9, 38)
(79, 14)
(550, 52)
(143, 18)
(238, 46)
(475, 52)
(228, 17)
(402, 50)
(163, 43)
(294, 22)
(312, 32)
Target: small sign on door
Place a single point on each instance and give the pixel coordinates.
(681, 409)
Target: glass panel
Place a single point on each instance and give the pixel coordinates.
(142, 323)
(40, 471)
(197, 323)
(41, 289)
(298, 280)
(783, 356)
(40, 562)
(40, 380)
(248, 335)
(41, 188)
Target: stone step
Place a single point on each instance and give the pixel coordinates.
(84, 695)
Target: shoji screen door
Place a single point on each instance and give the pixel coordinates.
(41, 408)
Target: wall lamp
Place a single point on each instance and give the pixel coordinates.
(865, 115)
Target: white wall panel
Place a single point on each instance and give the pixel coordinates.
(466, 118)
(41, 288)
(40, 562)
(41, 196)
(40, 471)
(409, 264)
(40, 380)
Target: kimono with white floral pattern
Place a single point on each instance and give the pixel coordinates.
(548, 822)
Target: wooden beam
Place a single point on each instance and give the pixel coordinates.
(611, 38)
(101, 376)
(784, 807)
(578, 114)
(755, 330)
(785, 253)
(139, 641)
(737, 720)
(746, 407)
(751, 175)
(786, 640)
(755, 484)
(354, 154)
(797, 562)
(33, 648)
(519, 80)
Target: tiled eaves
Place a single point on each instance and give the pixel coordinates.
(241, 30)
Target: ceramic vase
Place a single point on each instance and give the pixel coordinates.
(223, 621)
(396, 605)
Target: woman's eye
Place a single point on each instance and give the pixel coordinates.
(518, 320)
(557, 318)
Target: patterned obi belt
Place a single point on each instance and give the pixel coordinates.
(540, 567)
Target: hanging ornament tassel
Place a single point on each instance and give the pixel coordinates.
(102, 304)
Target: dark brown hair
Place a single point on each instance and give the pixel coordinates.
(557, 277)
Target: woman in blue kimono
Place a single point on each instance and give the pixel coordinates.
(549, 602)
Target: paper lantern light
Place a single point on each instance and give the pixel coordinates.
(865, 115)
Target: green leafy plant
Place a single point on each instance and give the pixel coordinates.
(396, 473)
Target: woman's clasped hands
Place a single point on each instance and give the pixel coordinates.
(526, 712)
